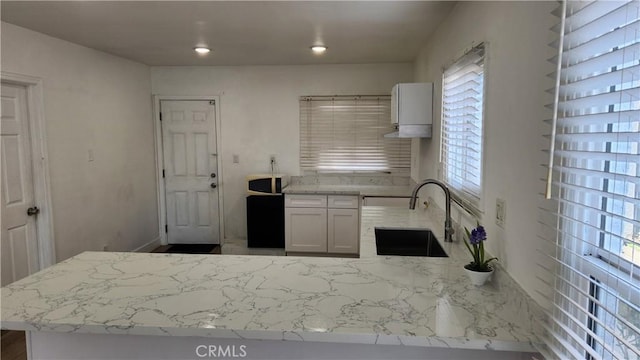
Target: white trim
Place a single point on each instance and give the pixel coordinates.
(477, 209)
(162, 211)
(40, 164)
(29, 343)
(157, 140)
(148, 246)
(486, 69)
(609, 276)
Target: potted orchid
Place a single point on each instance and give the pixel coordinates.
(480, 269)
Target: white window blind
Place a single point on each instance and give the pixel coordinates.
(462, 123)
(595, 183)
(345, 134)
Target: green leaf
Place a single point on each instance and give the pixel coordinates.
(467, 245)
(488, 261)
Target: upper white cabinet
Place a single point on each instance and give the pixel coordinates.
(322, 224)
(412, 109)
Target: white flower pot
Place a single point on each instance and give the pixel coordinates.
(478, 278)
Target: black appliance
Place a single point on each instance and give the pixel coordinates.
(265, 221)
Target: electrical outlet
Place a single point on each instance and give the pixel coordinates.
(90, 155)
(501, 212)
(236, 158)
(105, 247)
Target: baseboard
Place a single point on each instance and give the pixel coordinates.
(148, 246)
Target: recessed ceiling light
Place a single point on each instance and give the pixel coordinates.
(202, 50)
(318, 49)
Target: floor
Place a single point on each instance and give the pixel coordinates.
(188, 249)
(233, 247)
(239, 247)
(14, 347)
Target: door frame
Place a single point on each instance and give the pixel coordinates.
(157, 128)
(39, 163)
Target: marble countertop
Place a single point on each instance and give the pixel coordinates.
(363, 190)
(413, 301)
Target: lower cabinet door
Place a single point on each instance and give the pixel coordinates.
(344, 231)
(305, 229)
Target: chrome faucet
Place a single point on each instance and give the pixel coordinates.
(448, 228)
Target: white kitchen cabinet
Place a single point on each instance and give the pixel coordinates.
(305, 201)
(386, 201)
(412, 110)
(343, 202)
(322, 224)
(343, 231)
(305, 229)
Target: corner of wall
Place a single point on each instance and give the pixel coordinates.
(516, 56)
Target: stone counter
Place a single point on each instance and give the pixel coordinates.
(410, 301)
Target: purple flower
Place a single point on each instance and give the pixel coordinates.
(478, 234)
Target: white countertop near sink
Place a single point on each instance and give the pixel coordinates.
(412, 301)
(363, 190)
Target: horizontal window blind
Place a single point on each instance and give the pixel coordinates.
(462, 123)
(345, 134)
(595, 182)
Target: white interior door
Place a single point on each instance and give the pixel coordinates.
(19, 242)
(190, 171)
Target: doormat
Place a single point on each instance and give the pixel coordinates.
(189, 249)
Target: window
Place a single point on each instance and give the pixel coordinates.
(462, 118)
(596, 182)
(346, 134)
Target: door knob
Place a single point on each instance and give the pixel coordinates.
(213, 186)
(33, 211)
(213, 175)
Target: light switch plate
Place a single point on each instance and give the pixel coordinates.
(236, 158)
(501, 212)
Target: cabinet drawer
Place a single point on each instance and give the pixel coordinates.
(343, 202)
(387, 201)
(305, 201)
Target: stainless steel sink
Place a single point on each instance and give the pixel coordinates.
(408, 242)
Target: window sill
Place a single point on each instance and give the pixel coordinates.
(610, 276)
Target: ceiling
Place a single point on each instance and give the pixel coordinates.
(238, 32)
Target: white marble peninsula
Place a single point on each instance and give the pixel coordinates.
(101, 305)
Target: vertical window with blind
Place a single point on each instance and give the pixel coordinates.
(346, 134)
(462, 123)
(595, 182)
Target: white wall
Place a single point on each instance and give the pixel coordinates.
(92, 101)
(515, 77)
(260, 113)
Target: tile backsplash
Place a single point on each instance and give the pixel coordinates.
(351, 180)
